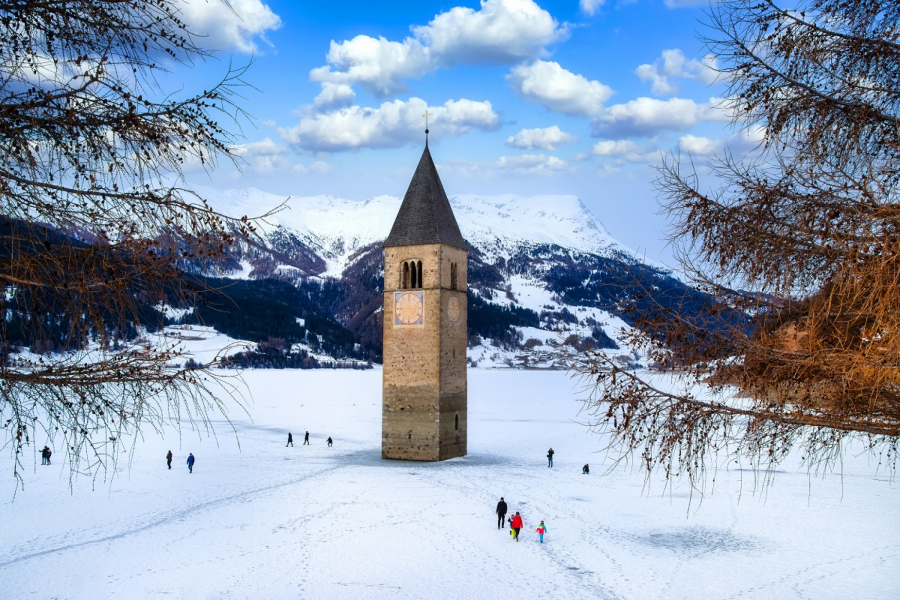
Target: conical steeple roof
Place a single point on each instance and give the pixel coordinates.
(425, 216)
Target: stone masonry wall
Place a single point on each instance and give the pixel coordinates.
(454, 340)
(424, 375)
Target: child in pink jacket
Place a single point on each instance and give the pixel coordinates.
(542, 529)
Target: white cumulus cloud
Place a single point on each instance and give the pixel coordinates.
(264, 156)
(743, 141)
(673, 64)
(334, 95)
(502, 31)
(317, 168)
(547, 138)
(589, 7)
(224, 28)
(648, 116)
(531, 164)
(557, 89)
(527, 164)
(391, 125)
(700, 145)
(626, 150)
(377, 65)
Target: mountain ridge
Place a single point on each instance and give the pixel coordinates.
(338, 227)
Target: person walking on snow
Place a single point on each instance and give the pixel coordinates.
(169, 459)
(45, 456)
(190, 462)
(290, 440)
(585, 470)
(329, 441)
(516, 525)
(306, 439)
(501, 513)
(541, 530)
(550, 457)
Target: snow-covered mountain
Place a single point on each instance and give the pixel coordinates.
(544, 273)
(499, 226)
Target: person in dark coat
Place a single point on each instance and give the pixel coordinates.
(501, 513)
(169, 459)
(290, 440)
(45, 456)
(550, 457)
(306, 439)
(585, 470)
(329, 441)
(190, 462)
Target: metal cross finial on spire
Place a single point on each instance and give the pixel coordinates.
(426, 128)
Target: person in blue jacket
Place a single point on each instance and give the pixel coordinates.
(191, 463)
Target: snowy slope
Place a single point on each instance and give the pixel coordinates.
(261, 521)
(499, 223)
(332, 226)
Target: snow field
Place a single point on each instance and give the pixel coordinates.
(258, 520)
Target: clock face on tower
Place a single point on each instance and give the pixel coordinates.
(409, 308)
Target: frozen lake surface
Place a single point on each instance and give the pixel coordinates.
(262, 521)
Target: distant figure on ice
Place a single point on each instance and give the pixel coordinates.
(550, 457)
(585, 470)
(541, 530)
(516, 526)
(290, 440)
(306, 439)
(169, 459)
(45, 456)
(501, 513)
(191, 463)
(329, 441)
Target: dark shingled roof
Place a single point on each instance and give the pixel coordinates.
(425, 216)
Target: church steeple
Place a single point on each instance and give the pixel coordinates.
(424, 381)
(425, 216)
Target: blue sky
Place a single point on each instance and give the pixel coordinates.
(560, 97)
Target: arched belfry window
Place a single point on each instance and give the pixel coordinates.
(454, 282)
(411, 275)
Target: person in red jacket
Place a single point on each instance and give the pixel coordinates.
(516, 525)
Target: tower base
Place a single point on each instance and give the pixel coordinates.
(423, 435)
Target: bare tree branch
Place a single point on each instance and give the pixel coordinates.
(800, 245)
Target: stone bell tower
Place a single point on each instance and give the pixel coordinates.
(425, 337)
